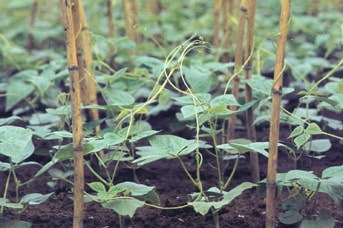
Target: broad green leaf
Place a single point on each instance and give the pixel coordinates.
(66, 152)
(172, 145)
(9, 120)
(324, 219)
(136, 189)
(124, 206)
(18, 88)
(4, 203)
(97, 187)
(290, 217)
(35, 198)
(296, 131)
(116, 97)
(198, 78)
(261, 84)
(318, 145)
(8, 223)
(227, 99)
(297, 175)
(314, 129)
(199, 98)
(163, 97)
(191, 110)
(333, 171)
(203, 207)
(15, 142)
(4, 166)
(142, 135)
(302, 139)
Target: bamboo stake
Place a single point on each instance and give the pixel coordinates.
(153, 7)
(227, 28)
(238, 63)
(92, 114)
(110, 19)
(131, 20)
(315, 8)
(251, 131)
(275, 115)
(77, 35)
(29, 42)
(216, 23)
(76, 112)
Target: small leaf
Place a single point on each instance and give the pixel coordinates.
(163, 97)
(318, 145)
(124, 206)
(290, 217)
(302, 139)
(297, 131)
(314, 129)
(35, 198)
(97, 187)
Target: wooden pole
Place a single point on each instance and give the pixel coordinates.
(131, 20)
(275, 115)
(216, 23)
(238, 63)
(73, 67)
(255, 172)
(29, 41)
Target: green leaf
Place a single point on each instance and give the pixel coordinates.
(163, 98)
(135, 189)
(314, 129)
(290, 217)
(97, 187)
(200, 98)
(198, 78)
(35, 198)
(302, 139)
(324, 219)
(227, 99)
(318, 145)
(66, 152)
(203, 207)
(18, 88)
(4, 166)
(8, 223)
(16, 143)
(9, 120)
(166, 147)
(142, 135)
(332, 171)
(4, 203)
(124, 206)
(116, 97)
(296, 132)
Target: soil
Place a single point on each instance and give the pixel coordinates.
(173, 187)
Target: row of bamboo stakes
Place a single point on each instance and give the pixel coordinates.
(83, 82)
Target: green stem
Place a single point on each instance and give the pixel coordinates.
(232, 172)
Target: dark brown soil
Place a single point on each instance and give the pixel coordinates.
(173, 187)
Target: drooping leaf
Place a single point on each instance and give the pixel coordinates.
(318, 145)
(16, 143)
(290, 217)
(35, 198)
(124, 206)
(203, 207)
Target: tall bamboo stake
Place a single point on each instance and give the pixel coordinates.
(238, 63)
(29, 41)
(216, 23)
(275, 115)
(255, 172)
(92, 114)
(131, 20)
(67, 6)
